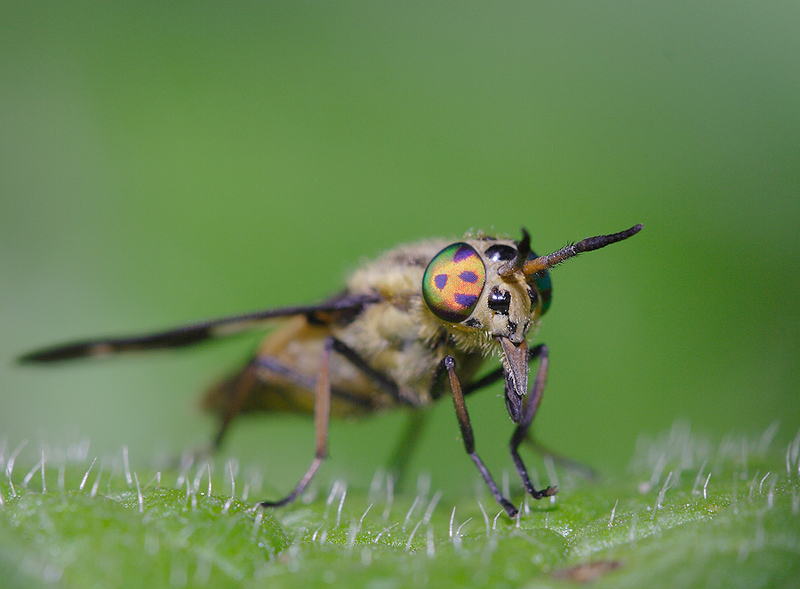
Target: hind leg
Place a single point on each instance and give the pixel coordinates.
(322, 406)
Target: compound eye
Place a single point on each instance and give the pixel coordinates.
(543, 285)
(453, 282)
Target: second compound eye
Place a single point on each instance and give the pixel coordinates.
(541, 284)
(499, 301)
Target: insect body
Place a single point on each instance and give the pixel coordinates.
(410, 327)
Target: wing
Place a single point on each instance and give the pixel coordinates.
(338, 308)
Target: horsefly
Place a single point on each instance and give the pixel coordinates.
(409, 327)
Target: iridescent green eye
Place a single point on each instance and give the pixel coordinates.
(544, 286)
(453, 282)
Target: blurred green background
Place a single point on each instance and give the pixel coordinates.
(164, 162)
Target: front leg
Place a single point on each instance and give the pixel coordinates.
(538, 447)
(469, 438)
(529, 412)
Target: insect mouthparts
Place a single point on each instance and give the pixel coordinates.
(515, 365)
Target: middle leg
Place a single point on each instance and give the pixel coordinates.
(529, 412)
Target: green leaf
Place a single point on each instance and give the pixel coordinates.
(688, 514)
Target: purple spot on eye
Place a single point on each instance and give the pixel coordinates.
(463, 253)
(465, 300)
(468, 276)
(440, 280)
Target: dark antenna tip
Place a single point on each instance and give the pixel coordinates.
(585, 245)
(593, 243)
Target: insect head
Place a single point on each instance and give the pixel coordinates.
(496, 290)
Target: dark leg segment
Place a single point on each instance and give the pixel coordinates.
(537, 446)
(469, 438)
(408, 442)
(383, 381)
(521, 431)
(579, 468)
(241, 388)
(322, 414)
